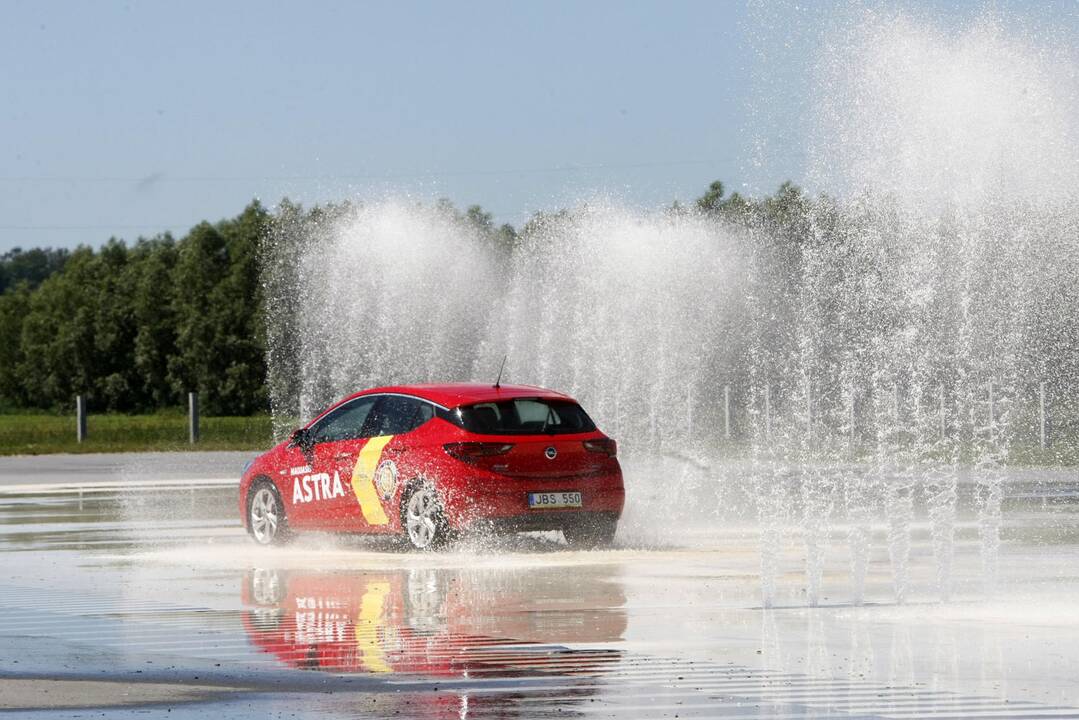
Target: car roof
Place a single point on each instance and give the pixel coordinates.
(451, 395)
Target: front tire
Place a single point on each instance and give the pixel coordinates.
(424, 520)
(266, 520)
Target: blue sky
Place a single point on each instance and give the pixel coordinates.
(128, 118)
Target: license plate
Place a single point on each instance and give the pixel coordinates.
(539, 501)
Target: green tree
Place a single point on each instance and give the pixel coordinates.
(149, 277)
(220, 338)
(57, 340)
(711, 203)
(240, 314)
(110, 366)
(32, 266)
(14, 305)
(733, 208)
(199, 268)
(480, 219)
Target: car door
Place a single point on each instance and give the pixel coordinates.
(373, 468)
(324, 497)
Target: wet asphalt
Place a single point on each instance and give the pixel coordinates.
(130, 589)
(112, 468)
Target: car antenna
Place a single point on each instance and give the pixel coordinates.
(500, 369)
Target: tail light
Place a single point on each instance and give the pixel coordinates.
(603, 445)
(472, 451)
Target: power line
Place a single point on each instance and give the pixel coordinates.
(96, 227)
(162, 178)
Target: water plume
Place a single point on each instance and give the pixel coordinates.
(881, 340)
(951, 152)
(939, 118)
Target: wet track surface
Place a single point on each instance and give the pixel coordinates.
(144, 598)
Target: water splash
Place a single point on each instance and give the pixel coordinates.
(938, 116)
(375, 293)
(861, 332)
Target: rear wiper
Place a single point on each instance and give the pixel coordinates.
(550, 411)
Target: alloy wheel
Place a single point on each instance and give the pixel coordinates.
(423, 518)
(266, 516)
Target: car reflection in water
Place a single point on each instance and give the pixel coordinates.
(442, 623)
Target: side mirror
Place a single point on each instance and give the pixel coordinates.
(301, 438)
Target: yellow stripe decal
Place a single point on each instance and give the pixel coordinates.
(368, 623)
(363, 481)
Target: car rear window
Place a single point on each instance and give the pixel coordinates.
(522, 416)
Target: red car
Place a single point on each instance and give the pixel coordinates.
(427, 462)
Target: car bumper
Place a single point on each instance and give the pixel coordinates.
(546, 520)
(507, 505)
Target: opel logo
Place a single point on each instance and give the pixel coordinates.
(551, 453)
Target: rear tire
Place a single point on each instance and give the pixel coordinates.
(598, 533)
(424, 520)
(266, 520)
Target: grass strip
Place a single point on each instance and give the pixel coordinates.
(39, 434)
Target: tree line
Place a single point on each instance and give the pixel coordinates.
(135, 326)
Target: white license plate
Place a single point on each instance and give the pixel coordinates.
(539, 501)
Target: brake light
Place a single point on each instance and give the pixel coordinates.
(472, 451)
(604, 445)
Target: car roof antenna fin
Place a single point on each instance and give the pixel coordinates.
(500, 369)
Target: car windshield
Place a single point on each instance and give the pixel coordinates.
(522, 416)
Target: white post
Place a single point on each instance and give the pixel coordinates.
(1041, 415)
(193, 417)
(727, 412)
(80, 418)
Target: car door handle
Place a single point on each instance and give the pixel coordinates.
(343, 456)
(397, 450)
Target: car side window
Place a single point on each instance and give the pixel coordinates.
(345, 423)
(397, 414)
(426, 412)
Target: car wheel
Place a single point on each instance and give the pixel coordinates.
(423, 519)
(590, 534)
(266, 519)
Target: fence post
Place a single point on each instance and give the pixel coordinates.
(1041, 415)
(727, 412)
(80, 418)
(193, 417)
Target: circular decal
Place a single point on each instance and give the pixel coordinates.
(551, 453)
(386, 479)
